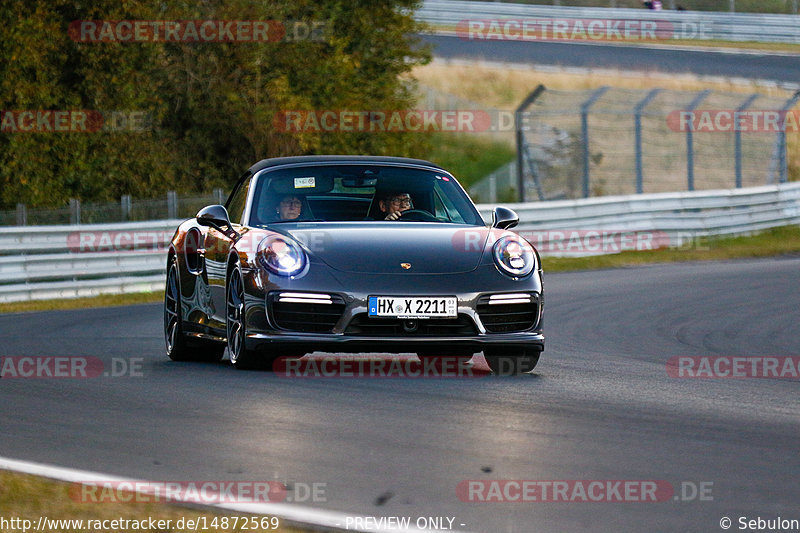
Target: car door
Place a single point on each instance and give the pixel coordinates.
(218, 245)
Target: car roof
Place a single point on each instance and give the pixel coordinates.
(276, 161)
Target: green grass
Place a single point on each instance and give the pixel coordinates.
(29, 497)
(783, 241)
(469, 157)
(105, 300)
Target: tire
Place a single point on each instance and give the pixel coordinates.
(241, 357)
(177, 346)
(511, 361)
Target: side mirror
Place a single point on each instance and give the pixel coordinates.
(504, 218)
(216, 216)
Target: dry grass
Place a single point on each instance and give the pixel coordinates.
(506, 87)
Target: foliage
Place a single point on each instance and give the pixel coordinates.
(211, 106)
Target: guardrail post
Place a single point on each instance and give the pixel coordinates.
(638, 132)
(737, 139)
(22, 215)
(219, 195)
(784, 166)
(585, 107)
(690, 140)
(125, 206)
(74, 211)
(519, 123)
(172, 204)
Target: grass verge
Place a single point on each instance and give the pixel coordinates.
(469, 157)
(783, 241)
(30, 497)
(105, 300)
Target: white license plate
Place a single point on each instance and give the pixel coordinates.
(413, 307)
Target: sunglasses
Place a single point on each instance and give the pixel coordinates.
(401, 201)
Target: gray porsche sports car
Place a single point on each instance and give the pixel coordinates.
(352, 254)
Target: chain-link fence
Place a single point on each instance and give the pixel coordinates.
(127, 209)
(609, 141)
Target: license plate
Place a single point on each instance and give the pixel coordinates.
(413, 307)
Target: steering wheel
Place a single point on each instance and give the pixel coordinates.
(418, 215)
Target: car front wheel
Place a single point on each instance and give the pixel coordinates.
(241, 357)
(178, 347)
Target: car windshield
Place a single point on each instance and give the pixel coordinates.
(339, 193)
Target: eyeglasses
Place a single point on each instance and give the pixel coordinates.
(291, 203)
(403, 202)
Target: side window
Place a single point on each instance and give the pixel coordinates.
(238, 199)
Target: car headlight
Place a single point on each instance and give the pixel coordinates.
(514, 256)
(281, 255)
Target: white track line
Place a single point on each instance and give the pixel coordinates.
(297, 514)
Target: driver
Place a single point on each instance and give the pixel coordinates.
(394, 203)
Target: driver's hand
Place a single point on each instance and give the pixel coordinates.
(394, 215)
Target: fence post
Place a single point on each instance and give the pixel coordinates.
(519, 123)
(690, 140)
(737, 139)
(638, 132)
(778, 163)
(22, 215)
(219, 195)
(172, 204)
(74, 211)
(585, 107)
(125, 207)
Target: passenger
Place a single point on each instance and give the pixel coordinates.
(289, 208)
(394, 203)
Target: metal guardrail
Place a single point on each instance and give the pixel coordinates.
(685, 25)
(68, 261)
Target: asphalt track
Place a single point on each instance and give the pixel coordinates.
(751, 65)
(600, 406)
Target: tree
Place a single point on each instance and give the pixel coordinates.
(211, 107)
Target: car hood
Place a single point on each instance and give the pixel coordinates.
(383, 248)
